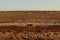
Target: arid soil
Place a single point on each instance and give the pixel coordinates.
(29, 15)
(29, 31)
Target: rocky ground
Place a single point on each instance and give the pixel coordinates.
(30, 30)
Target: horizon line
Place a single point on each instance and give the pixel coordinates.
(29, 9)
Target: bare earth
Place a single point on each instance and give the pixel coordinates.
(29, 15)
(29, 31)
